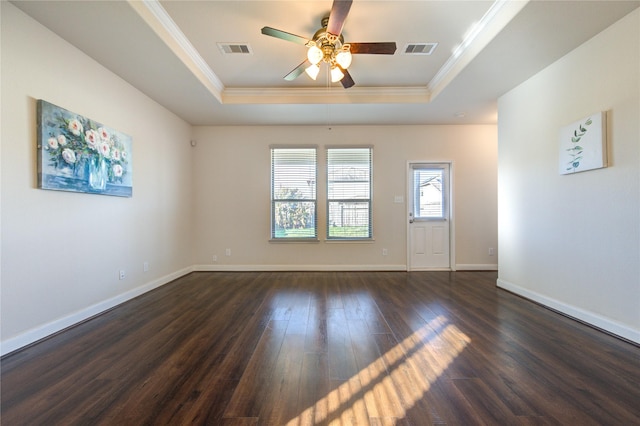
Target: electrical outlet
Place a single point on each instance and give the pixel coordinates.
(215, 258)
(145, 267)
(121, 274)
(227, 252)
(491, 252)
(385, 252)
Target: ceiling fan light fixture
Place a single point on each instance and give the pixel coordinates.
(312, 71)
(344, 58)
(336, 74)
(315, 55)
(327, 45)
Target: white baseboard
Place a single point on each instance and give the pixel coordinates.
(282, 268)
(277, 268)
(596, 320)
(431, 269)
(477, 267)
(42, 331)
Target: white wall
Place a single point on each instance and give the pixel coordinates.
(61, 251)
(232, 174)
(572, 242)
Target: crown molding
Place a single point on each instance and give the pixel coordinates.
(154, 15)
(338, 95)
(480, 35)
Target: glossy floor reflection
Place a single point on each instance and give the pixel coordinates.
(325, 348)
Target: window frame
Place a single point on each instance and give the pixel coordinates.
(444, 192)
(368, 200)
(274, 200)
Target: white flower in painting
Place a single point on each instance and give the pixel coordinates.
(62, 140)
(53, 143)
(91, 136)
(104, 148)
(75, 127)
(69, 156)
(115, 154)
(104, 134)
(124, 155)
(117, 170)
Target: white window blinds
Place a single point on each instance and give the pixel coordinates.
(349, 193)
(293, 193)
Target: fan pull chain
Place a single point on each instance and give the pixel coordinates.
(328, 89)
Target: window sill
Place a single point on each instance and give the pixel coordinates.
(353, 241)
(315, 241)
(294, 240)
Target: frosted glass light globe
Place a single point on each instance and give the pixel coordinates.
(336, 74)
(314, 54)
(344, 58)
(312, 71)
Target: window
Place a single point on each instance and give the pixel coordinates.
(349, 193)
(430, 192)
(293, 193)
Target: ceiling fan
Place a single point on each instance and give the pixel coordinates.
(327, 45)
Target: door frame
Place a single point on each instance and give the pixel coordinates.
(452, 227)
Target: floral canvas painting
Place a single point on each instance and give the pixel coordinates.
(583, 145)
(81, 155)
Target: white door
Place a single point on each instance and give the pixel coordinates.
(428, 236)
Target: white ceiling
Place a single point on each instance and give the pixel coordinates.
(168, 50)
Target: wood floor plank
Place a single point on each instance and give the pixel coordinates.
(322, 348)
(252, 389)
(379, 392)
(346, 406)
(342, 362)
(239, 421)
(454, 407)
(412, 387)
(486, 404)
(316, 333)
(313, 401)
(281, 402)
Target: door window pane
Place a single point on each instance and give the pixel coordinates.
(429, 193)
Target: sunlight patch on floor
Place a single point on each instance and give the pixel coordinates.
(394, 382)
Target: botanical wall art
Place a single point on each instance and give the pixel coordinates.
(80, 155)
(583, 144)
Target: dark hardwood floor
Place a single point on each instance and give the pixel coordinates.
(343, 348)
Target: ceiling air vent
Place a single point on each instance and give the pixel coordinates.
(419, 48)
(235, 48)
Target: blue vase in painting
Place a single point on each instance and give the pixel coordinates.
(97, 173)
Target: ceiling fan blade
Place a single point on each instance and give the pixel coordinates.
(297, 70)
(338, 15)
(386, 48)
(285, 35)
(347, 80)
